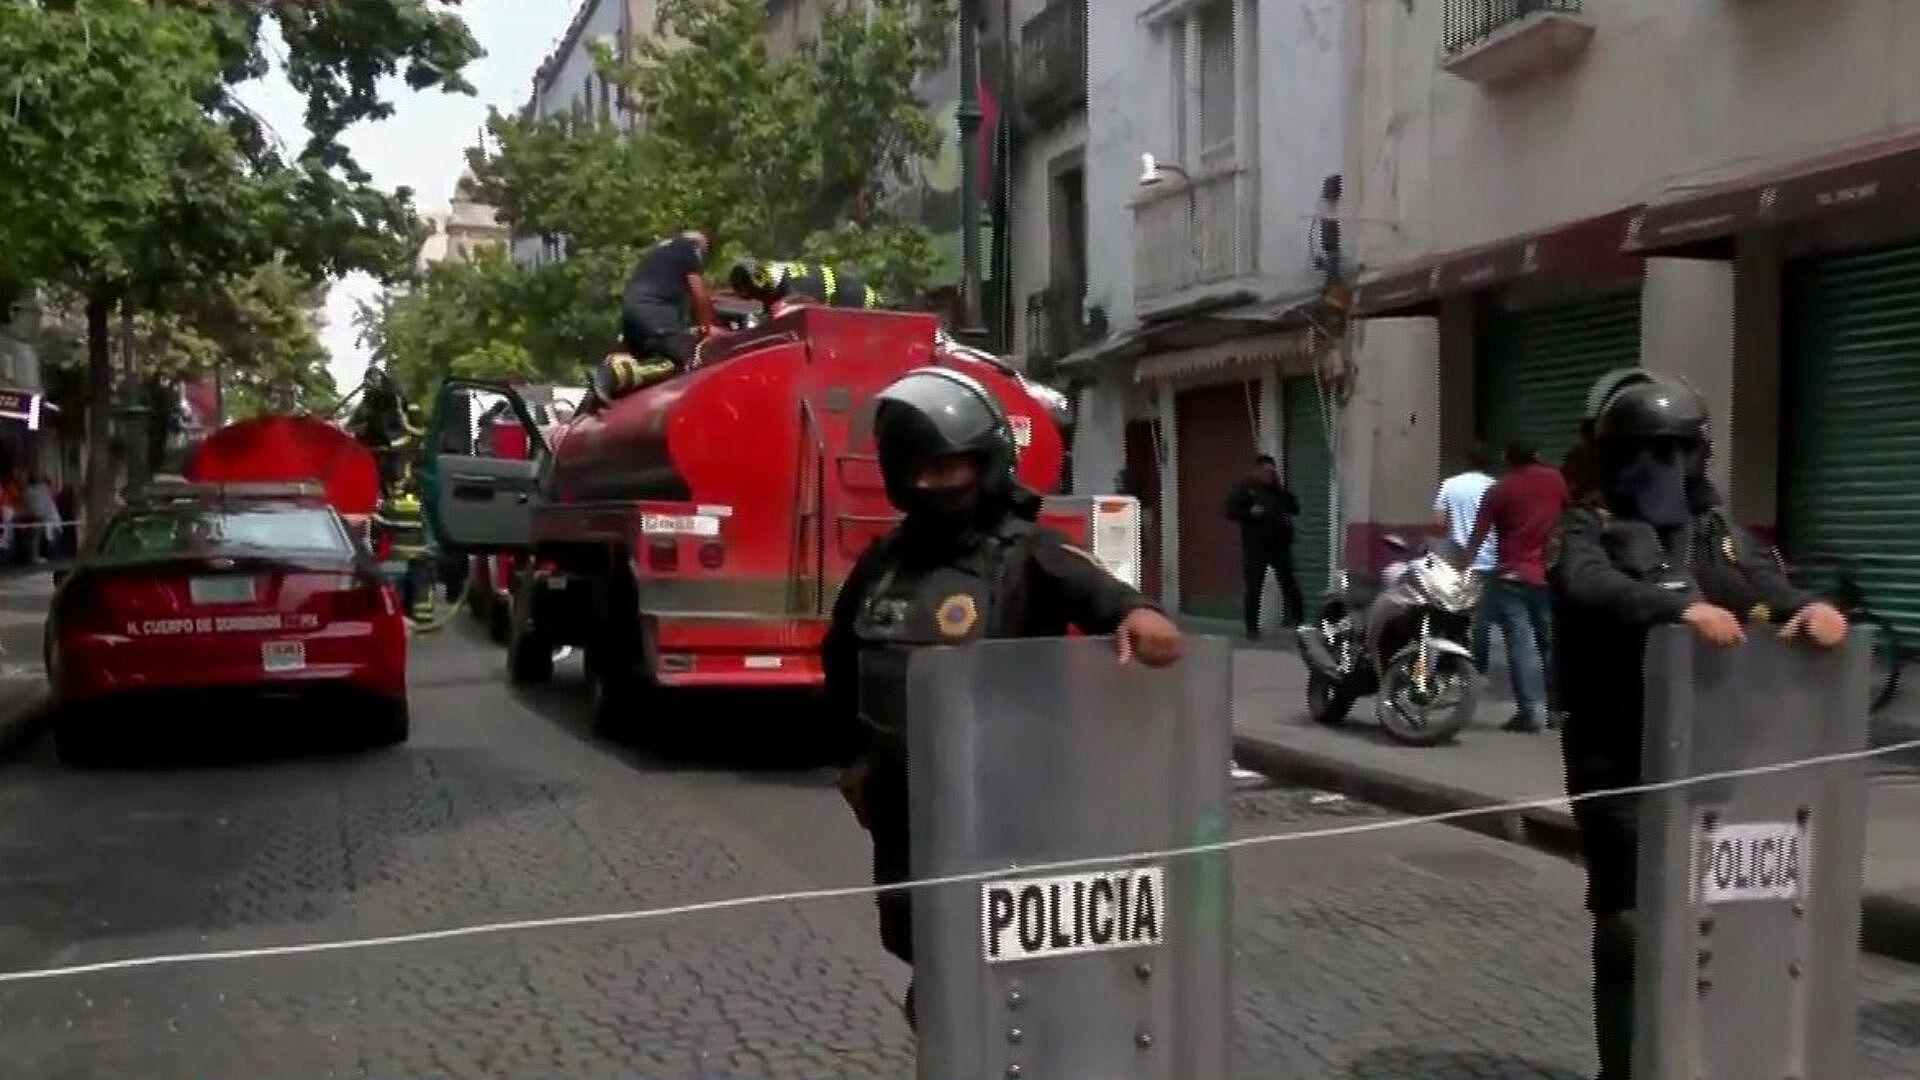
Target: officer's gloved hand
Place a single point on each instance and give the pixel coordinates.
(1149, 636)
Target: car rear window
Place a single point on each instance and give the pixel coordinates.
(185, 530)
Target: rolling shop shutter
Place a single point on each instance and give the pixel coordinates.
(1309, 472)
(1850, 459)
(1535, 366)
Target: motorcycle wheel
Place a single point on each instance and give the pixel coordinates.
(1435, 717)
(1326, 702)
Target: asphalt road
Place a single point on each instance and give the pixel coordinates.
(1423, 952)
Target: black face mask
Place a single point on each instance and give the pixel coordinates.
(1658, 482)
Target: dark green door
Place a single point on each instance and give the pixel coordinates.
(1850, 462)
(1309, 472)
(1535, 365)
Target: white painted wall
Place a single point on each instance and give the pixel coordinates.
(568, 81)
(1301, 130)
(1031, 227)
(1669, 93)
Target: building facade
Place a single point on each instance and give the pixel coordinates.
(462, 230)
(1541, 192)
(1205, 273)
(568, 85)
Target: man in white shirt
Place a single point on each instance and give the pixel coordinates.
(1455, 507)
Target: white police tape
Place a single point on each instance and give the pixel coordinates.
(973, 878)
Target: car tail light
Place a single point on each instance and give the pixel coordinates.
(713, 555)
(663, 553)
(364, 600)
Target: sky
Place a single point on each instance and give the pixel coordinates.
(421, 146)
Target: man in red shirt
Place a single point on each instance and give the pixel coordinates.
(1524, 506)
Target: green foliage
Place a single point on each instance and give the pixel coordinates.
(772, 155)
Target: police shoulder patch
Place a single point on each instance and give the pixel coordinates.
(956, 616)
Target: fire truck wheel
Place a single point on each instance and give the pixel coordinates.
(499, 622)
(529, 659)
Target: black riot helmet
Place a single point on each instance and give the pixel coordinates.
(1650, 435)
(933, 412)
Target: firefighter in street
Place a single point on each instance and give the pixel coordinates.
(966, 562)
(399, 518)
(779, 285)
(1648, 545)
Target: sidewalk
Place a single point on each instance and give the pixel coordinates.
(1489, 767)
(24, 595)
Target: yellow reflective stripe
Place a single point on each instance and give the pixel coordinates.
(831, 283)
(873, 297)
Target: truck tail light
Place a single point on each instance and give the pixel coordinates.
(663, 554)
(713, 555)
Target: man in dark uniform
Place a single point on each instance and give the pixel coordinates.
(1264, 510)
(666, 299)
(967, 562)
(780, 283)
(1649, 545)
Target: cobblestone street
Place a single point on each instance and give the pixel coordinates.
(1412, 953)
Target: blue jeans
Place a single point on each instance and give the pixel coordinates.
(1523, 614)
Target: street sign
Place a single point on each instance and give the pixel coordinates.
(1036, 752)
(1749, 885)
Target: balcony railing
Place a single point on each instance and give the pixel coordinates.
(1470, 22)
(1494, 42)
(1053, 61)
(1191, 235)
(1056, 322)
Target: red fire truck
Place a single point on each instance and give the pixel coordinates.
(694, 533)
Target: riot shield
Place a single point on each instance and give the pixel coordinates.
(1037, 751)
(1749, 886)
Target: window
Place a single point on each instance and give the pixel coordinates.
(1205, 80)
(1214, 26)
(286, 529)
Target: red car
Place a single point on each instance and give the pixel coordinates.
(225, 588)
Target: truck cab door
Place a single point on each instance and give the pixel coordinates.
(476, 501)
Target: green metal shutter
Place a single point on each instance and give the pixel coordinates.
(1850, 468)
(1535, 366)
(1309, 465)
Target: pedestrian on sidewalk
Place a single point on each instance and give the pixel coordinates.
(1523, 507)
(1264, 509)
(1648, 546)
(1456, 508)
(46, 515)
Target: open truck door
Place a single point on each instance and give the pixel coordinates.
(477, 502)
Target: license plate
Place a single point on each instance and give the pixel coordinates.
(1040, 918)
(1752, 861)
(283, 656)
(221, 590)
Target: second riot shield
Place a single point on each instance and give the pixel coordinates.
(1032, 752)
(1749, 883)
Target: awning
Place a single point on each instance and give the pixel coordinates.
(1589, 249)
(1247, 357)
(1867, 175)
(28, 405)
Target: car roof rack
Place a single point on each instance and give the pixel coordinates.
(186, 491)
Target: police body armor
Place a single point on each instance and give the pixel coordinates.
(950, 602)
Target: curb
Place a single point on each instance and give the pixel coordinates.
(1889, 922)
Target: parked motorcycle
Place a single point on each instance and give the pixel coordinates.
(1406, 642)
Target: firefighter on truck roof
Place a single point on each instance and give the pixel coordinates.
(967, 562)
(663, 313)
(778, 284)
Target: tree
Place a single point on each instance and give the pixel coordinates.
(772, 155)
(135, 172)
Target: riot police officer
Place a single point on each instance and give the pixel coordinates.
(966, 562)
(1648, 545)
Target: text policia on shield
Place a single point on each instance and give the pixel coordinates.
(1076, 913)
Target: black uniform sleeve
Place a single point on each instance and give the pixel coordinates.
(1086, 593)
(840, 658)
(1237, 499)
(1586, 576)
(1289, 502)
(1764, 574)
